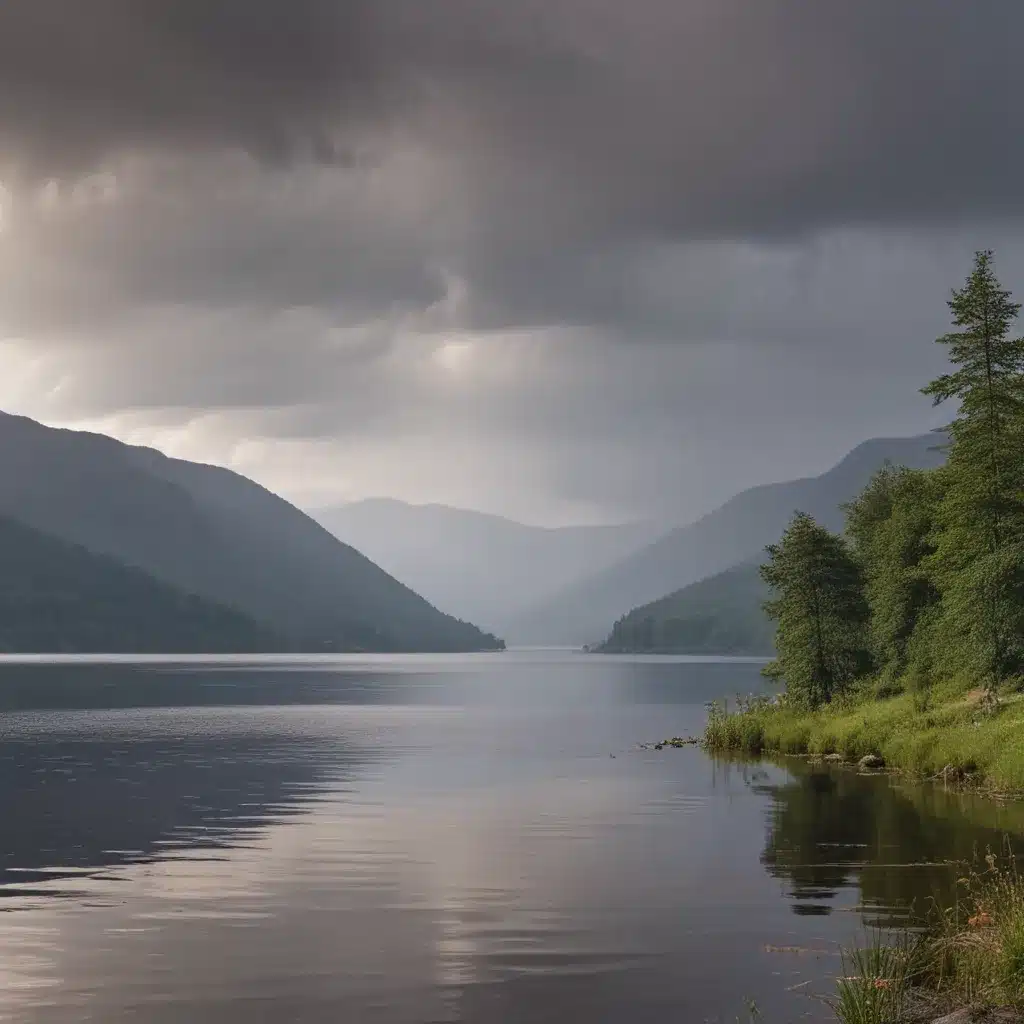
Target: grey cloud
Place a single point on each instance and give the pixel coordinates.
(305, 199)
(546, 154)
(219, 233)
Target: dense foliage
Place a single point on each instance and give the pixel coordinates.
(928, 581)
(891, 525)
(819, 605)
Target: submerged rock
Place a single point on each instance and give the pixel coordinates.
(871, 761)
(676, 741)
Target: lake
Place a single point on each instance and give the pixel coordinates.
(428, 839)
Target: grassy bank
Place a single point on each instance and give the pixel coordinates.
(948, 732)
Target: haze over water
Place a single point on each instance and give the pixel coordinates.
(427, 839)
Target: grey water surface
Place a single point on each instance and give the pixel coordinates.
(426, 839)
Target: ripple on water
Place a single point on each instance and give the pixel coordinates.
(428, 840)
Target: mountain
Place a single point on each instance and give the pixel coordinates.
(735, 532)
(474, 564)
(721, 614)
(210, 532)
(58, 597)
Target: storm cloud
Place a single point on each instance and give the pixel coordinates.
(630, 253)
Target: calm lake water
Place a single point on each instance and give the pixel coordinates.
(433, 839)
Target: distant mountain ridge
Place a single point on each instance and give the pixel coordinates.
(735, 532)
(473, 564)
(213, 533)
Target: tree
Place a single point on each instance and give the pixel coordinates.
(819, 607)
(891, 523)
(647, 641)
(980, 537)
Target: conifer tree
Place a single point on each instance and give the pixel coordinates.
(819, 607)
(979, 560)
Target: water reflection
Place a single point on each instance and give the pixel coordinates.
(125, 795)
(183, 683)
(409, 840)
(401, 841)
(507, 679)
(899, 843)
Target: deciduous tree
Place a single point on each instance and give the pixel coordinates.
(820, 612)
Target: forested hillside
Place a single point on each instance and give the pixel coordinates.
(722, 614)
(57, 597)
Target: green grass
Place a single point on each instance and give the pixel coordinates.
(946, 731)
(971, 955)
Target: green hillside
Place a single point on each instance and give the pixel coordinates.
(210, 532)
(718, 615)
(57, 597)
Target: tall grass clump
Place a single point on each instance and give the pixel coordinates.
(969, 955)
(877, 980)
(978, 945)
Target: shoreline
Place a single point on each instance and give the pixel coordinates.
(960, 964)
(953, 735)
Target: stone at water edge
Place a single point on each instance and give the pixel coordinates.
(871, 761)
(958, 1017)
(835, 758)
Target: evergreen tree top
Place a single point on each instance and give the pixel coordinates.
(988, 359)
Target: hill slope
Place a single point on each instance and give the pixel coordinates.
(473, 564)
(60, 598)
(213, 533)
(735, 532)
(721, 614)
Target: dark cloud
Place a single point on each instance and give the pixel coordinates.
(81, 81)
(705, 117)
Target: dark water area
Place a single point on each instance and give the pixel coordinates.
(431, 839)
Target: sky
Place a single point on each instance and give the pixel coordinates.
(563, 260)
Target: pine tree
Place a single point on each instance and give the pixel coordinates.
(979, 560)
(819, 607)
